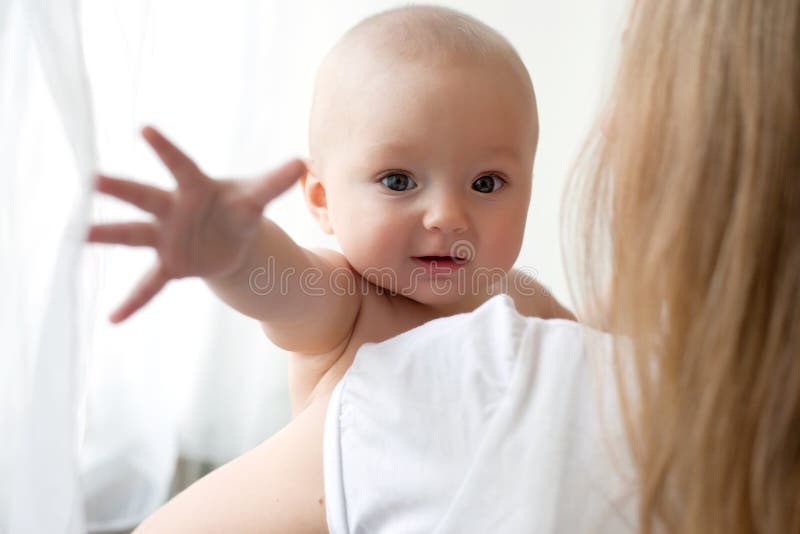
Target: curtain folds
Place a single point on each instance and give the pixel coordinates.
(42, 379)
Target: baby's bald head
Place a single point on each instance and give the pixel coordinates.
(428, 37)
(425, 33)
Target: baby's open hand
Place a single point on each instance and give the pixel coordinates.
(203, 228)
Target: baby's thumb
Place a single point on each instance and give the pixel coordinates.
(277, 181)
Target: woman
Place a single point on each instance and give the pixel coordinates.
(697, 183)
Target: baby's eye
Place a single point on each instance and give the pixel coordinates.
(488, 183)
(398, 182)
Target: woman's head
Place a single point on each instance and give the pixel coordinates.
(690, 224)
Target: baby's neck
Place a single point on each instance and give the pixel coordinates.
(463, 305)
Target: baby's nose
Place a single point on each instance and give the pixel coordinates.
(446, 216)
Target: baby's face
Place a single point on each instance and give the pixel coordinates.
(427, 175)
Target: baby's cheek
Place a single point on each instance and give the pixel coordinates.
(368, 244)
(502, 250)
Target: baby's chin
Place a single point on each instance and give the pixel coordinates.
(446, 294)
(446, 291)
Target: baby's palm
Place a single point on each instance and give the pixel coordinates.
(204, 227)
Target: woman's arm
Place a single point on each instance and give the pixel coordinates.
(276, 487)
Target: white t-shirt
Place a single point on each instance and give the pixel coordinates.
(485, 422)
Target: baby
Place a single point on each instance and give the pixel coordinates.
(422, 140)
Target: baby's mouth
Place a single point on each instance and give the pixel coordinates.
(439, 264)
(441, 259)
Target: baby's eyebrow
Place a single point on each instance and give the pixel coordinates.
(502, 151)
(390, 147)
(378, 155)
(382, 155)
(394, 147)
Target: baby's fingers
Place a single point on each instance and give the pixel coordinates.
(148, 287)
(134, 234)
(275, 182)
(185, 171)
(146, 197)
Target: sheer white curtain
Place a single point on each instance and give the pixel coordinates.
(94, 416)
(46, 154)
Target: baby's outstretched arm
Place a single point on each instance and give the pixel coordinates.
(215, 229)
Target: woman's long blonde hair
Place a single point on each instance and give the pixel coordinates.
(689, 229)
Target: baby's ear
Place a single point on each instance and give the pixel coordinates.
(316, 200)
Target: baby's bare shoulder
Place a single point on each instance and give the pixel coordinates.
(533, 299)
(381, 315)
